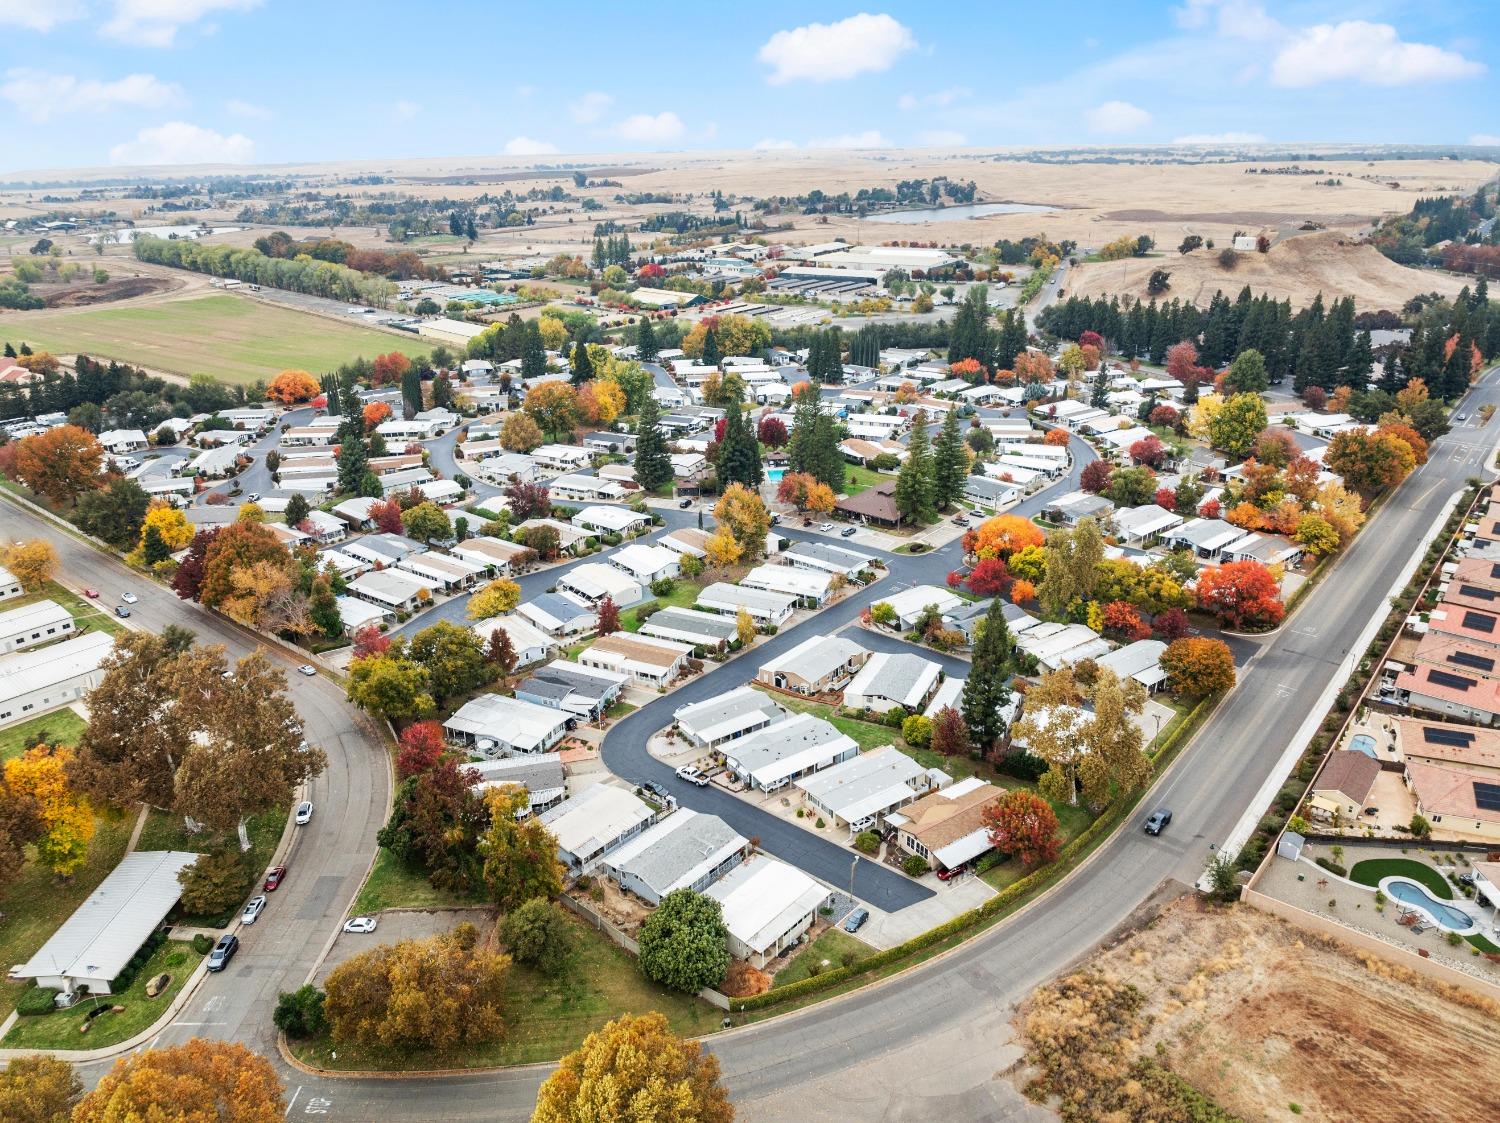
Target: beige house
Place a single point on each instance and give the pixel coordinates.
(820, 665)
(946, 829)
(1343, 785)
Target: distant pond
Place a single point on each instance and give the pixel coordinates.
(950, 214)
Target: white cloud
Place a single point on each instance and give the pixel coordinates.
(155, 23)
(1220, 138)
(1193, 14)
(41, 96)
(650, 128)
(1117, 117)
(941, 138)
(590, 107)
(525, 146)
(774, 144)
(178, 142)
(1485, 140)
(1372, 53)
(247, 109)
(870, 138)
(827, 52)
(405, 110)
(939, 99)
(33, 15)
(1236, 19)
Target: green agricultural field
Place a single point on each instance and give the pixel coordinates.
(235, 339)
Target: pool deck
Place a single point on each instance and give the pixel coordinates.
(1353, 905)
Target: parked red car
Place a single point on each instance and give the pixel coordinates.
(948, 875)
(92, 594)
(274, 877)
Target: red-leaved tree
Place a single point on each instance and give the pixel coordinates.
(950, 733)
(1122, 619)
(370, 640)
(1094, 477)
(609, 616)
(772, 432)
(1241, 594)
(1023, 825)
(1171, 624)
(989, 578)
(1166, 498)
(1148, 451)
(529, 500)
(387, 517)
(421, 747)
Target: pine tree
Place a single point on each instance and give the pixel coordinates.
(471, 231)
(442, 391)
(653, 467)
(600, 259)
(1454, 382)
(533, 353)
(914, 483)
(986, 692)
(1360, 363)
(1099, 395)
(739, 453)
(950, 463)
(581, 365)
(712, 356)
(411, 393)
(354, 462)
(154, 548)
(646, 347)
(323, 607)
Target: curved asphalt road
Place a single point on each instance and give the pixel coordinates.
(929, 1041)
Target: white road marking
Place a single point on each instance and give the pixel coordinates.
(293, 1102)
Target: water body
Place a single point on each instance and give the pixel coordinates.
(953, 214)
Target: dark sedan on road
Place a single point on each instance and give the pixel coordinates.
(1158, 821)
(223, 952)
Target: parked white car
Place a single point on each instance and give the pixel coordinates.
(360, 924)
(304, 813)
(253, 908)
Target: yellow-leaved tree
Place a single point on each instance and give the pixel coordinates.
(201, 1080)
(495, 599)
(170, 522)
(635, 1070)
(41, 776)
(32, 563)
(722, 549)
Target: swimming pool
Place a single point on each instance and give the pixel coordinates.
(775, 474)
(1363, 743)
(1410, 893)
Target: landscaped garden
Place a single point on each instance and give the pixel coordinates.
(1372, 871)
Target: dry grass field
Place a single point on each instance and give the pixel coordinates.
(1260, 1016)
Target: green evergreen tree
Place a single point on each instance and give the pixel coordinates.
(297, 509)
(914, 483)
(646, 347)
(712, 356)
(1099, 393)
(581, 366)
(533, 352)
(653, 466)
(442, 391)
(1360, 363)
(154, 548)
(353, 463)
(950, 463)
(986, 692)
(323, 607)
(1247, 373)
(411, 393)
(739, 453)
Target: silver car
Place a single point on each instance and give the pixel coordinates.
(304, 813)
(253, 908)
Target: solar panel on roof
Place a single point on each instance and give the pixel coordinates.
(1469, 659)
(1477, 593)
(1479, 622)
(1443, 678)
(1487, 796)
(1447, 737)
(1495, 570)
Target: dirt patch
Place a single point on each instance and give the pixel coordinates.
(1299, 268)
(126, 288)
(1259, 1015)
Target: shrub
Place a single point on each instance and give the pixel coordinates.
(36, 1001)
(538, 934)
(663, 586)
(867, 842)
(914, 866)
(299, 1013)
(1022, 765)
(1333, 867)
(820, 824)
(202, 944)
(917, 731)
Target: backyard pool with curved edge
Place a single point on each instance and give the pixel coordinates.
(1363, 743)
(1410, 893)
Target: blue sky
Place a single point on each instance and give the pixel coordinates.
(129, 82)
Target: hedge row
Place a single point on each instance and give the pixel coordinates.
(1013, 893)
(35, 1001)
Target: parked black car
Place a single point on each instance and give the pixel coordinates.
(1158, 821)
(856, 919)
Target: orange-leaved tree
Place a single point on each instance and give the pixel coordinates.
(292, 386)
(1002, 536)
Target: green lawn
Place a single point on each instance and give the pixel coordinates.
(684, 594)
(835, 946)
(868, 734)
(36, 902)
(235, 339)
(1371, 870)
(857, 477)
(61, 727)
(164, 831)
(545, 1017)
(60, 1030)
(89, 615)
(392, 885)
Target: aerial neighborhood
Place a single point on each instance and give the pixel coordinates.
(533, 615)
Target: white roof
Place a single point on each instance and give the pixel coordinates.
(524, 725)
(814, 657)
(595, 579)
(902, 677)
(595, 818)
(1140, 660)
(716, 717)
(356, 613)
(392, 586)
(113, 922)
(644, 560)
(788, 579)
(1149, 519)
(949, 694)
(787, 747)
(677, 851)
(872, 782)
(30, 616)
(524, 635)
(608, 518)
(26, 671)
(763, 898)
(723, 595)
(910, 602)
